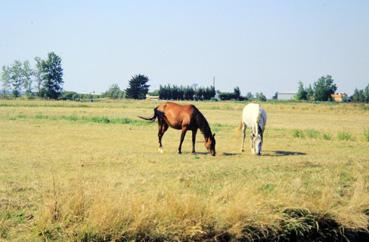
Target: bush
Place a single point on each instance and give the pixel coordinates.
(235, 95)
(297, 133)
(67, 95)
(312, 133)
(366, 135)
(344, 136)
(114, 92)
(327, 136)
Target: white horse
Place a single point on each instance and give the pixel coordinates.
(253, 117)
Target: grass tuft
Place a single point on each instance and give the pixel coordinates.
(327, 136)
(366, 135)
(312, 133)
(344, 136)
(297, 133)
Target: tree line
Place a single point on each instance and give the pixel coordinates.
(324, 87)
(44, 80)
(173, 92)
(361, 95)
(137, 89)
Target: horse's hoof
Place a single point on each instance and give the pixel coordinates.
(242, 150)
(161, 150)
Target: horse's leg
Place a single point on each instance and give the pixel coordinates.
(262, 139)
(162, 128)
(243, 136)
(184, 130)
(193, 140)
(252, 142)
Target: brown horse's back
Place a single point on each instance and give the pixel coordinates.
(177, 115)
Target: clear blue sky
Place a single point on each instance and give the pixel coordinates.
(257, 45)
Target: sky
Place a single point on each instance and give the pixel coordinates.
(260, 46)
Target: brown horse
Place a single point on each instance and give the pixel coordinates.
(183, 117)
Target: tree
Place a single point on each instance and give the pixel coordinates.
(249, 96)
(361, 95)
(50, 72)
(310, 93)
(237, 93)
(27, 74)
(114, 92)
(275, 96)
(323, 88)
(13, 78)
(301, 92)
(260, 96)
(5, 78)
(137, 87)
(37, 76)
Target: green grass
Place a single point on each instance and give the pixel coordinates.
(366, 135)
(327, 136)
(344, 136)
(296, 133)
(312, 133)
(94, 173)
(90, 119)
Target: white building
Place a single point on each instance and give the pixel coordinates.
(285, 95)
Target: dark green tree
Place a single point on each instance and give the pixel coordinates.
(310, 93)
(275, 96)
(301, 92)
(138, 87)
(51, 74)
(237, 93)
(323, 88)
(361, 95)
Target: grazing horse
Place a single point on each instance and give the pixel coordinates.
(253, 117)
(183, 117)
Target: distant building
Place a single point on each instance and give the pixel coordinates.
(149, 97)
(285, 95)
(339, 96)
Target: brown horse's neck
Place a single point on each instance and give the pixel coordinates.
(203, 125)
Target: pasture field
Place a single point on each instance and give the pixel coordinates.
(72, 171)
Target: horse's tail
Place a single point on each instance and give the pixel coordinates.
(240, 126)
(156, 112)
(238, 129)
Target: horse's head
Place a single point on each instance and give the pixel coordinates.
(258, 142)
(210, 144)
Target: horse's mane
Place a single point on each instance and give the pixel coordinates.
(202, 123)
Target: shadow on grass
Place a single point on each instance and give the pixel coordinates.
(230, 154)
(200, 153)
(284, 153)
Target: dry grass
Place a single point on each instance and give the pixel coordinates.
(76, 176)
